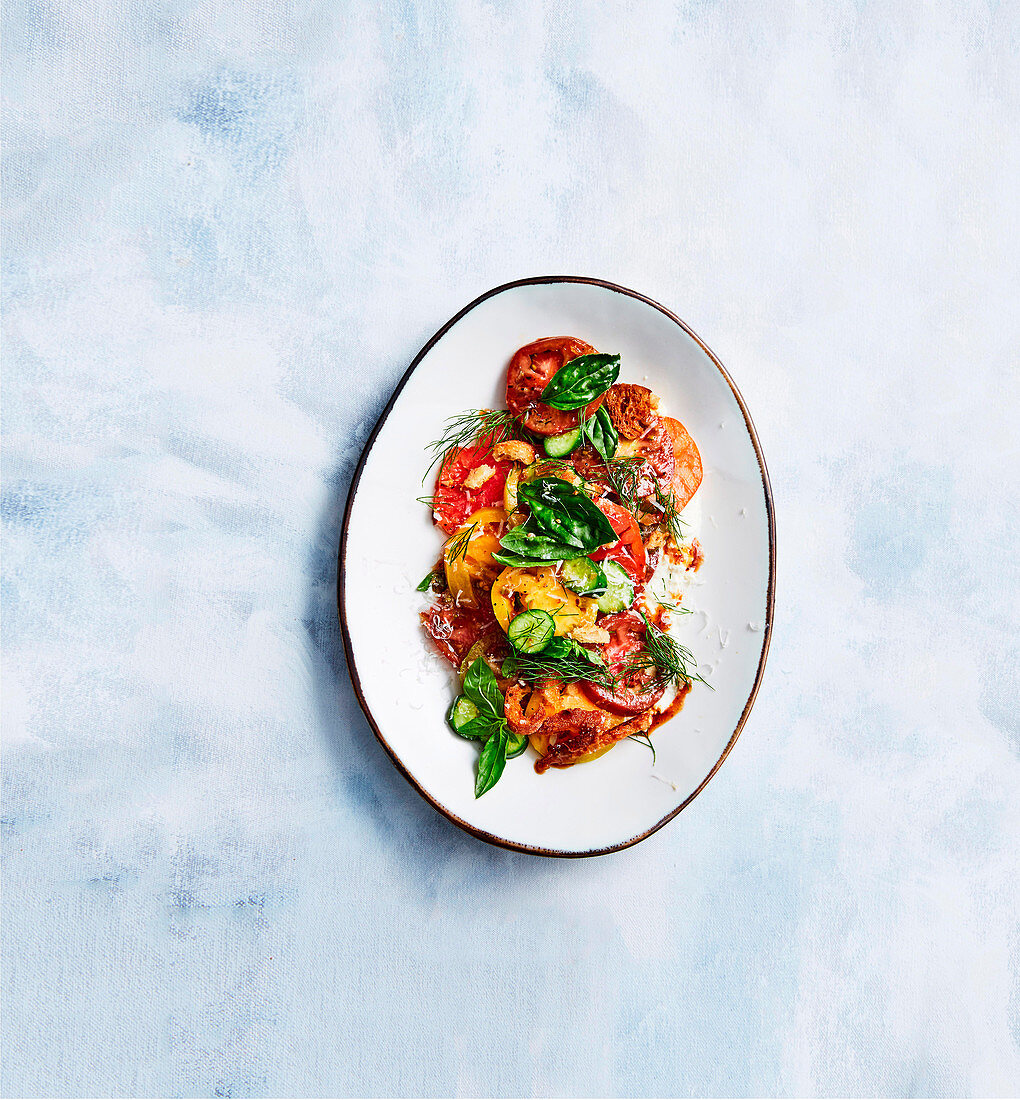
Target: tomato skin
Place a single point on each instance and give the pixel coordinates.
(629, 550)
(452, 502)
(637, 691)
(530, 371)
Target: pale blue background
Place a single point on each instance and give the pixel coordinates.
(229, 229)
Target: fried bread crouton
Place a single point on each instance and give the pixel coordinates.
(632, 409)
(514, 450)
(478, 477)
(585, 632)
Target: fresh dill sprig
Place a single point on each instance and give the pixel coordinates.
(643, 739)
(664, 601)
(457, 546)
(624, 476)
(665, 499)
(629, 479)
(465, 428)
(671, 662)
(563, 659)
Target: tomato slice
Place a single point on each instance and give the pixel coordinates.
(657, 447)
(634, 691)
(456, 629)
(453, 502)
(687, 458)
(629, 550)
(530, 371)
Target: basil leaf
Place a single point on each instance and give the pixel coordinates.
(480, 728)
(515, 561)
(566, 514)
(426, 582)
(580, 381)
(491, 762)
(561, 648)
(481, 688)
(527, 544)
(601, 432)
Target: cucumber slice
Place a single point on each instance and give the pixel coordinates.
(620, 592)
(583, 576)
(462, 712)
(530, 631)
(516, 743)
(559, 446)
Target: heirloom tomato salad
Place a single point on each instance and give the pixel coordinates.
(559, 512)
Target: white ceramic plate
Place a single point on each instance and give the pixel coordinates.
(405, 689)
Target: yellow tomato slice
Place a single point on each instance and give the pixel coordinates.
(539, 590)
(467, 555)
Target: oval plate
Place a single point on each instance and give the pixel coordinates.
(388, 544)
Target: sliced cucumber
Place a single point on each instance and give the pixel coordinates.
(516, 743)
(530, 631)
(462, 712)
(619, 594)
(559, 446)
(583, 576)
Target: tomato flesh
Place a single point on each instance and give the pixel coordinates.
(632, 692)
(657, 448)
(530, 371)
(628, 550)
(454, 630)
(453, 502)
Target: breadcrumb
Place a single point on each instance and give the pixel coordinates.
(516, 450)
(584, 632)
(478, 477)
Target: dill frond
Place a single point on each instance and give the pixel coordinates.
(563, 659)
(457, 546)
(643, 739)
(671, 662)
(467, 427)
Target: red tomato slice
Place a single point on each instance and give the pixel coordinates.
(687, 459)
(456, 629)
(657, 447)
(452, 502)
(632, 692)
(629, 550)
(530, 371)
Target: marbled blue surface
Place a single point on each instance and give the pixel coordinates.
(229, 227)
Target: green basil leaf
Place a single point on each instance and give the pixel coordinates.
(480, 728)
(515, 561)
(491, 761)
(566, 514)
(562, 648)
(481, 688)
(601, 432)
(527, 544)
(475, 730)
(580, 381)
(426, 582)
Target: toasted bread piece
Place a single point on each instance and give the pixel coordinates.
(633, 409)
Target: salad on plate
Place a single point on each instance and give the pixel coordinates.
(561, 579)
